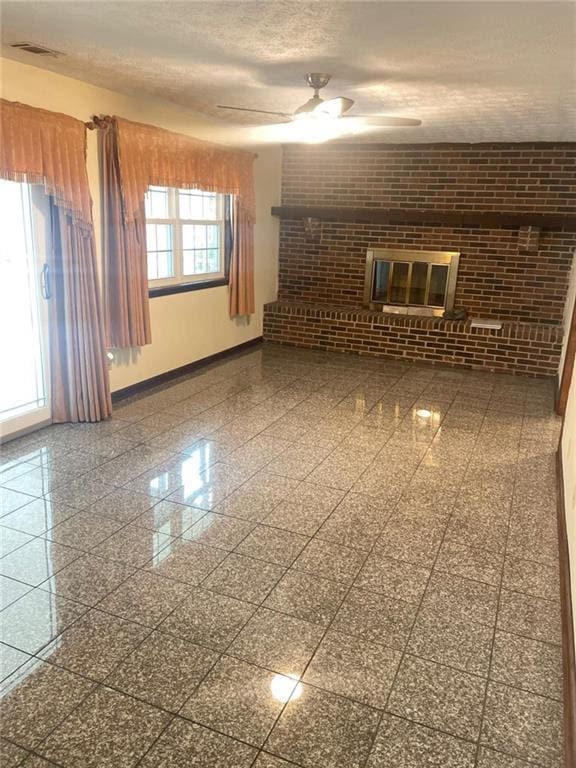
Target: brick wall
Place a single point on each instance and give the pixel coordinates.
(495, 278)
(525, 348)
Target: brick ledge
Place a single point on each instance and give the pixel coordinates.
(510, 329)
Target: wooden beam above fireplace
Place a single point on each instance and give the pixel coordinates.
(492, 219)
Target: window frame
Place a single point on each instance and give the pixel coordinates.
(181, 283)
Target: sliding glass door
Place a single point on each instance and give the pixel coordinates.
(24, 291)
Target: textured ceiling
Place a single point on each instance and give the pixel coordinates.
(478, 71)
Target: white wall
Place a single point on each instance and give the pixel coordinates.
(186, 326)
(568, 447)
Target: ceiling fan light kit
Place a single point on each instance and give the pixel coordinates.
(320, 111)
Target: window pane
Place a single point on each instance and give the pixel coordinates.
(201, 248)
(438, 279)
(156, 203)
(418, 283)
(195, 204)
(160, 252)
(399, 283)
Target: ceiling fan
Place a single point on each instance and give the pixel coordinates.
(317, 107)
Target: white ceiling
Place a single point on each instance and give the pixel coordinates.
(471, 71)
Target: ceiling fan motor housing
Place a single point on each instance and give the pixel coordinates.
(317, 80)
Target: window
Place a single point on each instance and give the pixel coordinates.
(185, 237)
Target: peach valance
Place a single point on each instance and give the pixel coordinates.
(48, 148)
(153, 156)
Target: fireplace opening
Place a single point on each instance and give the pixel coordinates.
(411, 282)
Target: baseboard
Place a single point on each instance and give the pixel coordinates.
(569, 661)
(163, 378)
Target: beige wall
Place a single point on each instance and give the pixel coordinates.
(568, 448)
(186, 326)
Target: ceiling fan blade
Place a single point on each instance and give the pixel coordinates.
(259, 111)
(380, 120)
(334, 107)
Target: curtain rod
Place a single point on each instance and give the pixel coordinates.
(103, 121)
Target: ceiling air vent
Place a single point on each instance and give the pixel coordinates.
(37, 50)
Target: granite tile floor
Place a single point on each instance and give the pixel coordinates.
(290, 558)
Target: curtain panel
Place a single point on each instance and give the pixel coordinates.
(125, 260)
(136, 156)
(49, 149)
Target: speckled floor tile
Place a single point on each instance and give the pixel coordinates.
(145, 598)
(306, 597)
(11, 659)
(376, 618)
(457, 643)
(208, 619)
(11, 590)
(276, 546)
(277, 641)
(320, 730)
(175, 587)
(219, 531)
(455, 597)
(37, 618)
(11, 540)
(354, 668)
(403, 541)
(402, 744)
(187, 561)
(184, 744)
(11, 755)
(163, 670)
(403, 581)
(269, 761)
(81, 492)
(84, 530)
(488, 758)
(438, 697)
(133, 546)
(11, 500)
(240, 700)
(244, 578)
(107, 729)
(297, 518)
(298, 461)
(36, 561)
(94, 645)
(38, 516)
(123, 505)
(537, 579)
(523, 725)
(527, 664)
(470, 563)
(529, 616)
(356, 522)
(36, 699)
(169, 517)
(88, 579)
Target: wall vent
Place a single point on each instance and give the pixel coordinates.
(37, 50)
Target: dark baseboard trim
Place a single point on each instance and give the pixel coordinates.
(163, 378)
(569, 662)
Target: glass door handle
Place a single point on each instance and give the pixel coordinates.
(45, 282)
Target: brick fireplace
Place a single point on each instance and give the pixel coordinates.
(507, 210)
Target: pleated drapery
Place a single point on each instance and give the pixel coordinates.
(46, 148)
(136, 156)
(78, 370)
(241, 285)
(125, 259)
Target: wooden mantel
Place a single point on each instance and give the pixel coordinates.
(413, 216)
